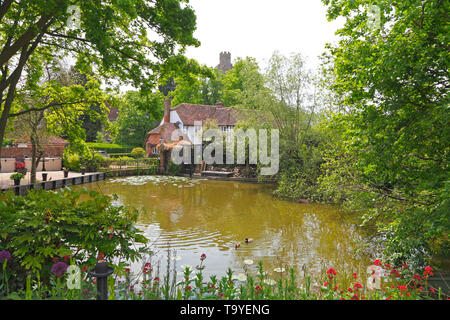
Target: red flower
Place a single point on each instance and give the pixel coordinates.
(258, 288)
(20, 165)
(84, 269)
(432, 290)
(331, 271)
(156, 279)
(55, 259)
(203, 257)
(395, 273)
(147, 265)
(66, 258)
(188, 288)
(355, 297)
(404, 265)
(428, 271)
(350, 290)
(377, 262)
(357, 285)
(127, 270)
(100, 256)
(403, 288)
(355, 275)
(387, 266)
(326, 284)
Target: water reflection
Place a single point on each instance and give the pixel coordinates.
(206, 216)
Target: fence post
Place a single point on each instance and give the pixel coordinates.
(102, 271)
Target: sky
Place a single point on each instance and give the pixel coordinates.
(256, 28)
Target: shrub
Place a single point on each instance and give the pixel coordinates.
(173, 169)
(138, 153)
(17, 176)
(43, 226)
(109, 147)
(72, 161)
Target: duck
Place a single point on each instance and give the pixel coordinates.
(237, 245)
(248, 240)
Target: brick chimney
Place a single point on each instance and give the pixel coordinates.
(167, 104)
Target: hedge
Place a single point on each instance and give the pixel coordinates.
(110, 147)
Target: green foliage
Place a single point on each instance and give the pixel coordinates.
(17, 176)
(173, 169)
(99, 138)
(242, 86)
(257, 284)
(71, 161)
(43, 225)
(109, 147)
(395, 130)
(138, 153)
(130, 41)
(7, 142)
(138, 114)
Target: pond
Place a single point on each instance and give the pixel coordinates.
(196, 216)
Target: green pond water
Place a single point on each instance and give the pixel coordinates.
(196, 216)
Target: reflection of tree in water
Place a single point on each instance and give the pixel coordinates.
(225, 212)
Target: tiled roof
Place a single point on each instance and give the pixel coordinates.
(189, 113)
(44, 139)
(163, 131)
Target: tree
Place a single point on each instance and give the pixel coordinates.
(393, 77)
(138, 114)
(244, 85)
(112, 39)
(50, 102)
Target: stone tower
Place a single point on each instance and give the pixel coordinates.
(225, 62)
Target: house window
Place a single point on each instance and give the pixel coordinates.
(154, 150)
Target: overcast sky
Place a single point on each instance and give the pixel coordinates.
(256, 28)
